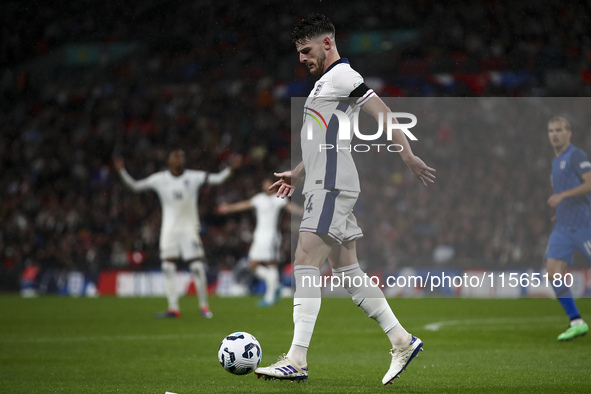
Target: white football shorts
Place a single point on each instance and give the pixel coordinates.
(184, 245)
(265, 248)
(330, 212)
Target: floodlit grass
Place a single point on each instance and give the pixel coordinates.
(114, 345)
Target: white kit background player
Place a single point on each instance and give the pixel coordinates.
(178, 191)
(263, 255)
(329, 229)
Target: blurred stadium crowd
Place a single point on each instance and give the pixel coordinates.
(216, 78)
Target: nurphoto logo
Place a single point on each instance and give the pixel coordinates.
(344, 130)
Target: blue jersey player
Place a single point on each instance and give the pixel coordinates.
(571, 181)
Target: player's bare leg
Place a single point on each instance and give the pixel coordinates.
(171, 289)
(556, 269)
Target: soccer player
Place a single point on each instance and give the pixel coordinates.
(571, 181)
(178, 191)
(264, 250)
(331, 187)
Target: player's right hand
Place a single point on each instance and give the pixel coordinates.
(555, 199)
(284, 184)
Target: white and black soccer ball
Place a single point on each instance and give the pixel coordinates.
(240, 353)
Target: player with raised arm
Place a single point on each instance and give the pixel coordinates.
(264, 250)
(178, 191)
(331, 186)
(571, 181)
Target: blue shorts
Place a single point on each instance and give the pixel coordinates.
(563, 243)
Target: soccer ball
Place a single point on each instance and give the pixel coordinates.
(240, 353)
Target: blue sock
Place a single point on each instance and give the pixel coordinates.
(565, 297)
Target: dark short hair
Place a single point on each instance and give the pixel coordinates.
(311, 26)
(564, 121)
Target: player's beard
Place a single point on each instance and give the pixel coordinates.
(319, 66)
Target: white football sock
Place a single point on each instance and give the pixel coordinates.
(170, 285)
(198, 270)
(271, 284)
(261, 272)
(270, 275)
(371, 300)
(306, 306)
(399, 337)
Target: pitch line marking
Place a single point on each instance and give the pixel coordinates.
(436, 326)
(100, 338)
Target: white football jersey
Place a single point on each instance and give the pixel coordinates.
(178, 196)
(327, 159)
(267, 209)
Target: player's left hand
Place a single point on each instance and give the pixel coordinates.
(420, 170)
(235, 161)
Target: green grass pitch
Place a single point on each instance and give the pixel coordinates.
(114, 345)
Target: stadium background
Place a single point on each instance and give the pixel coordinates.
(85, 81)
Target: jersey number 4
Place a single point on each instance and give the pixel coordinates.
(309, 204)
